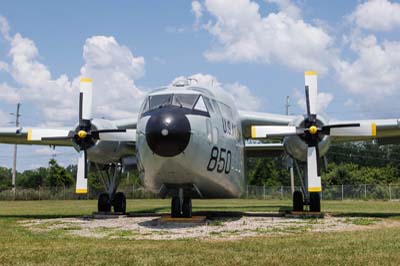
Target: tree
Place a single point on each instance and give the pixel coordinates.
(5, 178)
(58, 176)
(32, 178)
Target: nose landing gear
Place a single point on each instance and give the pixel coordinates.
(181, 207)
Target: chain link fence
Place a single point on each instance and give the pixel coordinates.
(339, 192)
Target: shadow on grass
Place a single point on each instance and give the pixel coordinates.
(39, 216)
(367, 214)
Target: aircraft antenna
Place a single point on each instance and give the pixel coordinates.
(287, 105)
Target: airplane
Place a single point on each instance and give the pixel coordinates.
(189, 141)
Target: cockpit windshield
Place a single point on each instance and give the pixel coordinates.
(157, 101)
(185, 100)
(181, 100)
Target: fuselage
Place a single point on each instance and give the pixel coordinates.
(191, 136)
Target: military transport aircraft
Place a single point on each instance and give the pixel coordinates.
(188, 141)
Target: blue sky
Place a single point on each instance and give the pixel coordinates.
(257, 50)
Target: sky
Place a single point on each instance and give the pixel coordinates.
(256, 50)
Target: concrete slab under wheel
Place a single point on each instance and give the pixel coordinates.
(292, 214)
(192, 220)
(108, 215)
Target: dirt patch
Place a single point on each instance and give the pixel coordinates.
(221, 228)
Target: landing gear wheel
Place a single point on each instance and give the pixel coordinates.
(298, 203)
(175, 207)
(315, 202)
(187, 208)
(120, 202)
(104, 203)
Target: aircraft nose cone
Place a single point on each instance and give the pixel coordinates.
(168, 132)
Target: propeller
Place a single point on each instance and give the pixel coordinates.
(84, 136)
(311, 132)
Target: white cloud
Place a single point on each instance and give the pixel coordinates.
(3, 66)
(286, 6)
(323, 100)
(114, 70)
(4, 28)
(9, 94)
(244, 35)
(378, 15)
(237, 93)
(46, 151)
(375, 70)
(245, 100)
(373, 76)
(197, 10)
(112, 66)
(5, 119)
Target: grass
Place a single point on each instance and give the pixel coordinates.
(19, 246)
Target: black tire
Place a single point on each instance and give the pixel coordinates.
(315, 202)
(298, 203)
(175, 207)
(104, 203)
(187, 208)
(120, 202)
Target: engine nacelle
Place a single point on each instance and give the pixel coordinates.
(105, 152)
(296, 146)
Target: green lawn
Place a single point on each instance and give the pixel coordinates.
(18, 246)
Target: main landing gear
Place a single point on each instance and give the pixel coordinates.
(118, 201)
(302, 197)
(314, 201)
(110, 176)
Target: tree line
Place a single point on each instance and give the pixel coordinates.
(346, 163)
(349, 163)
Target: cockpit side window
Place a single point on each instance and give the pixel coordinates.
(145, 105)
(216, 106)
(208, 104)
(157, 101)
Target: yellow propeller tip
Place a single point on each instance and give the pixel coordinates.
(310, 73)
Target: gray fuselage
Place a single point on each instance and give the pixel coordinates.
(211, 159)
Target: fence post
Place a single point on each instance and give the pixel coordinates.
(64, 191)
(390, 191)
(365, 191)
(39, 192)
(342, 191)
(247, 191)
(281, 192)
(264, 191)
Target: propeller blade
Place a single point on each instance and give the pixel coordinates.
(274, 131)
(39, 134)
(310, 78)
(341, 125)
(81, 175)
(85, 99)
(314, 180)
(115, 134)
(353, 130)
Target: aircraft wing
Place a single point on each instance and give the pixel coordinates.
(263, 149)
(249, 119)
(14, 135)
(386, 131)
(129, 123)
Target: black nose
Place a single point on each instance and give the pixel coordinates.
(168, 131)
